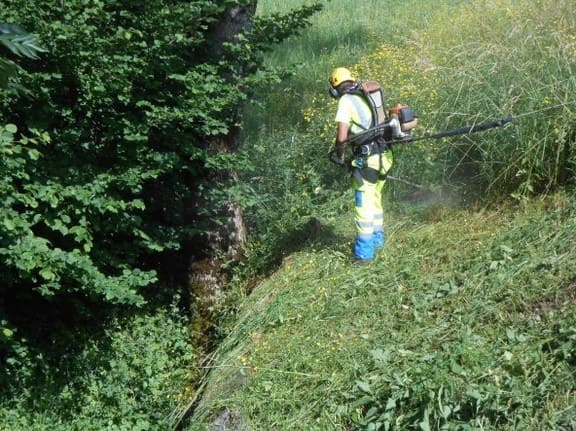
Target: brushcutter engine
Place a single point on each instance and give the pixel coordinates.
(406, 116)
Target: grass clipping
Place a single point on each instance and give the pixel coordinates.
(464, 322)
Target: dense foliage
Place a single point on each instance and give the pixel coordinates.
(111, 142)
(111, 139)
(129, 375)
(84, 210)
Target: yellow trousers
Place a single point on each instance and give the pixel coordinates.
(368, 182)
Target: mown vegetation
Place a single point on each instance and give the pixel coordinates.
(466, 320)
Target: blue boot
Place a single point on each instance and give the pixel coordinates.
(364, 247)
(378, 239)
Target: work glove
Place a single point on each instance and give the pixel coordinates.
(340, 161)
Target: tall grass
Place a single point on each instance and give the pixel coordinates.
(456, 63)
(499, 58)
(342, 34)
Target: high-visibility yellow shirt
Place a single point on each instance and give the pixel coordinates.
(355, 111)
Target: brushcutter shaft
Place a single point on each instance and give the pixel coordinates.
(378, 131)
(470, 129)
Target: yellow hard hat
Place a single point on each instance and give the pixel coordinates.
(340, 75)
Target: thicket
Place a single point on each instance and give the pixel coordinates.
(110, 180)
(110, 171)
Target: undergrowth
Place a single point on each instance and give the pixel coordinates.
(127, 374)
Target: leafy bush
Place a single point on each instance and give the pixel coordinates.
(110, 163)
(112, 157)
(115, 95)
(129, 376)
(84, 192)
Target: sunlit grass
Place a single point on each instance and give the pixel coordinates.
(465, 300)
(341, 35)
(456, 64)
(465, 320)
(499, 58)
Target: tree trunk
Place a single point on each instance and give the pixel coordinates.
(235, 21)
(207, 279)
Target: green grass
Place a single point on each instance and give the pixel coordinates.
(456, 63)
(340, 35)
(466, 320)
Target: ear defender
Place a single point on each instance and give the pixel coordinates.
(333, 92)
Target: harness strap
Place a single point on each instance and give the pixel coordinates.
(363, 172)
(371, 148)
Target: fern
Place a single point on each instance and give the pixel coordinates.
(18, 41)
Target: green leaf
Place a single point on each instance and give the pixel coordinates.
(425, 423)
(364, 387)
(47, 274)
(9, 224)
(457, 369)
(18, 41)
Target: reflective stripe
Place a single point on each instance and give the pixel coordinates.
(364, 225)
(359, 199)
(378, 222)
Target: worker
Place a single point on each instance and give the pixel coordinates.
(370, 160)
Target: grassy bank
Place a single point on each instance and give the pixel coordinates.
(466, 321)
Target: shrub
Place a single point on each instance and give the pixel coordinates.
(131, 376)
